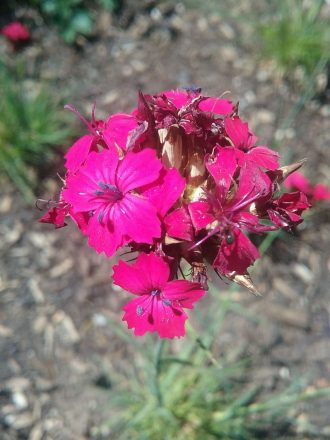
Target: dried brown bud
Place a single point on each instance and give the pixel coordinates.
(171, 141)
(245, 281)
(289, 169)
(199, 274)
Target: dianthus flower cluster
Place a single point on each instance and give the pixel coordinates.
(181, 182)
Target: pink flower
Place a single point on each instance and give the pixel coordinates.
(236, 253)
(78, 153)
(119, 129)
(112, 133)
(56, 216)
(225, 211)
(165, 191)
(297, 181)
(16, 31)
(285, 211)
(57, 213)
(180, 98)
(196, 115)
(178, 224)
(160, 301)
(108, 189)
(181, 181)
(244, 142)
(321, 192)
(314, 193)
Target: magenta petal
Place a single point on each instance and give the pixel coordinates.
(241, 157)
(82, 188)
(298, 181)
(148, 314)
(155, 269)
(169, 321)
(216, 105)
(239, 133)
(201, 214)
(165, 191)
(55, 216)
(279, 220)
(79, 192)
(247, 220)
(264, 157)
(103, 237)
(237, 130)
(253, 183)
(222, 165)
(148, 273)
(138, 218)
(81, 219)
(183, 291)
(138, 315)
(237, 256)
(178, 224)
(117, 130)
(79, 152)
(321, 192)
(102, 166)
(153, 311)
(130, 277)
(286, 211)
(161, 311)
(16, 32)
(138, 169)
(250, 222)
(295, 201)
(178, 97)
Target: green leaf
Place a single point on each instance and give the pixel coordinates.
(82, 22)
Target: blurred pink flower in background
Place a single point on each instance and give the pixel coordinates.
(314, 193)
(16, 31)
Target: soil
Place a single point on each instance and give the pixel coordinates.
(56, 295)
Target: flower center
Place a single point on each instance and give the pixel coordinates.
(109, 192)
(155, 292)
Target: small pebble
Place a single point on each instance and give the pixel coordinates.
(19, 400)
(303, 272)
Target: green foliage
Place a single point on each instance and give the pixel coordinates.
(73, 17)
(181, 391)
(291, 32)
(30, 128)
(295, 35)
(189, 398)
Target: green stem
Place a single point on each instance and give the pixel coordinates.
(192, 332)
(158, 360)
(300, 103)
(261, 407)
